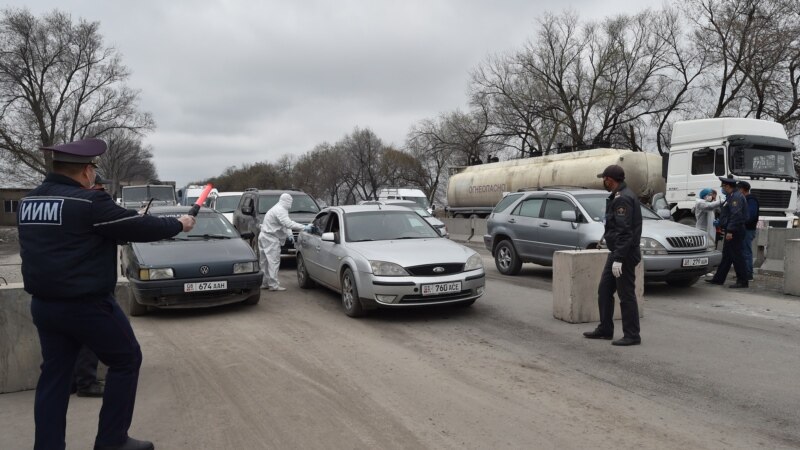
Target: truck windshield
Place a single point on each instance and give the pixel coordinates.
(421, 201)
(762, 161)
(145, 193)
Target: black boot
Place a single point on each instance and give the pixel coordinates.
(598, 334)
(130, 444)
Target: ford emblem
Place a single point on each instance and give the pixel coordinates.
(204, 270)
(438, 269)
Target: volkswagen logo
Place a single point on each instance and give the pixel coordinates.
(438, 269)
(204, 270)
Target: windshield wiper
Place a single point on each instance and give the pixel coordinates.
(362, 240)
(209, 236)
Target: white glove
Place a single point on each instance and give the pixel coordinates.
(616, 269)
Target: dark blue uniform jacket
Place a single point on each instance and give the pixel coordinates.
(623, 227)
(753, 211)
(734, 212)
(68, 239)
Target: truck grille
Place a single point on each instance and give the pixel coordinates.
(768, 198)
(687, 241)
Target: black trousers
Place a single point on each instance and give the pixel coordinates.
(85, 369)
(625, 287)
(65, 327)
(733, 254)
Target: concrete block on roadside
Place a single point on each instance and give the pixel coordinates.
(791, 260)
(576, 276)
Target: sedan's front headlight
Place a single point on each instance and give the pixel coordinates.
(387, 269)
(156, 274)
(474, 262)
(245, 267)
(651, 246)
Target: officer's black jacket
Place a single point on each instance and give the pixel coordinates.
(734, 212)
(623, 227)
(753, 211)
(68, 239)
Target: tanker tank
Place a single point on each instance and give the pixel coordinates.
(476, 189)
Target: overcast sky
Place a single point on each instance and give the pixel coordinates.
(231, 82)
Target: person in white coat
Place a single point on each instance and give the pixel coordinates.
(704, 212)
(275, 229)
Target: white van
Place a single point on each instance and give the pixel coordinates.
(415, 195)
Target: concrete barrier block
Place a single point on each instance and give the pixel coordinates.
(20, 353)
(791, 284)
(576, 276)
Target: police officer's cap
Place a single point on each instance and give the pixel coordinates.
(100, 180)
(84, 151)
(614, 172)
(728, 181)
(743, 185)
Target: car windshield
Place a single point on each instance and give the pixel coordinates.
(301, 203)
(227, 203)
(595, 206)
(386, 225)
(209, 225)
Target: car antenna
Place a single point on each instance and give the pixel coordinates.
(147, 208)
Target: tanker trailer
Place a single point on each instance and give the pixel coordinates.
(475, 190)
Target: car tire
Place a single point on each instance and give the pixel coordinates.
(253, 299)
(683, 282)
(135, 308)
(506, 258)
(350, 300)
(303, 279)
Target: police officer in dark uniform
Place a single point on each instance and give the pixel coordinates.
(623, 231)
(732, 220)
(68, 238)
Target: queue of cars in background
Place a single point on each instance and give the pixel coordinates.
(386, 256)
(208, 266)
(530, 226)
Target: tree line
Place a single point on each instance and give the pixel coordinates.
(619, 81)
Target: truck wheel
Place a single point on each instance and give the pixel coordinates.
(506, 258)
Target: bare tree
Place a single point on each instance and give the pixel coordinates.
(59, 83)
(126, 160)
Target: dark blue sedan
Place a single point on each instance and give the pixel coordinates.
(208, 266)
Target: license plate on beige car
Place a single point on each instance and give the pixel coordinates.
(441, 288)
(694, 262)
(205, 286)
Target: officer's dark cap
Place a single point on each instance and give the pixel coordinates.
(743, 185)
(614, 172)
(728, 181)
(100, 180)
(84, 151)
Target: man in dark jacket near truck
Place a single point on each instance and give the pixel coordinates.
(623, 231)
(750, 226)
(732, 220)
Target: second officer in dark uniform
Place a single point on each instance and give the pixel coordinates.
(732, 220)
(68, 238)
(623, 231)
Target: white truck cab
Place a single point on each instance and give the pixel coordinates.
(757, 151)
(190, 193)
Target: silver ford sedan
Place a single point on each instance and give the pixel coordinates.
(386, 256)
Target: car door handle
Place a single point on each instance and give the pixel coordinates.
(544, 225)
(512, 221)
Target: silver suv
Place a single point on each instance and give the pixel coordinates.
(531, 226)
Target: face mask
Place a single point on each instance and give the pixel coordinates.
(708, 198)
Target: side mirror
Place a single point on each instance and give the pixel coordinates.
(569, 216)
(247, 236)
(330, 237)
(664, 214)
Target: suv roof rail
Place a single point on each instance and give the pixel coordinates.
(251, 189)
(551, 188)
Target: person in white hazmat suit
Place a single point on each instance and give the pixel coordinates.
(275, 229)
(704, 212)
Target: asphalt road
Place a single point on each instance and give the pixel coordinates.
(717, 369)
